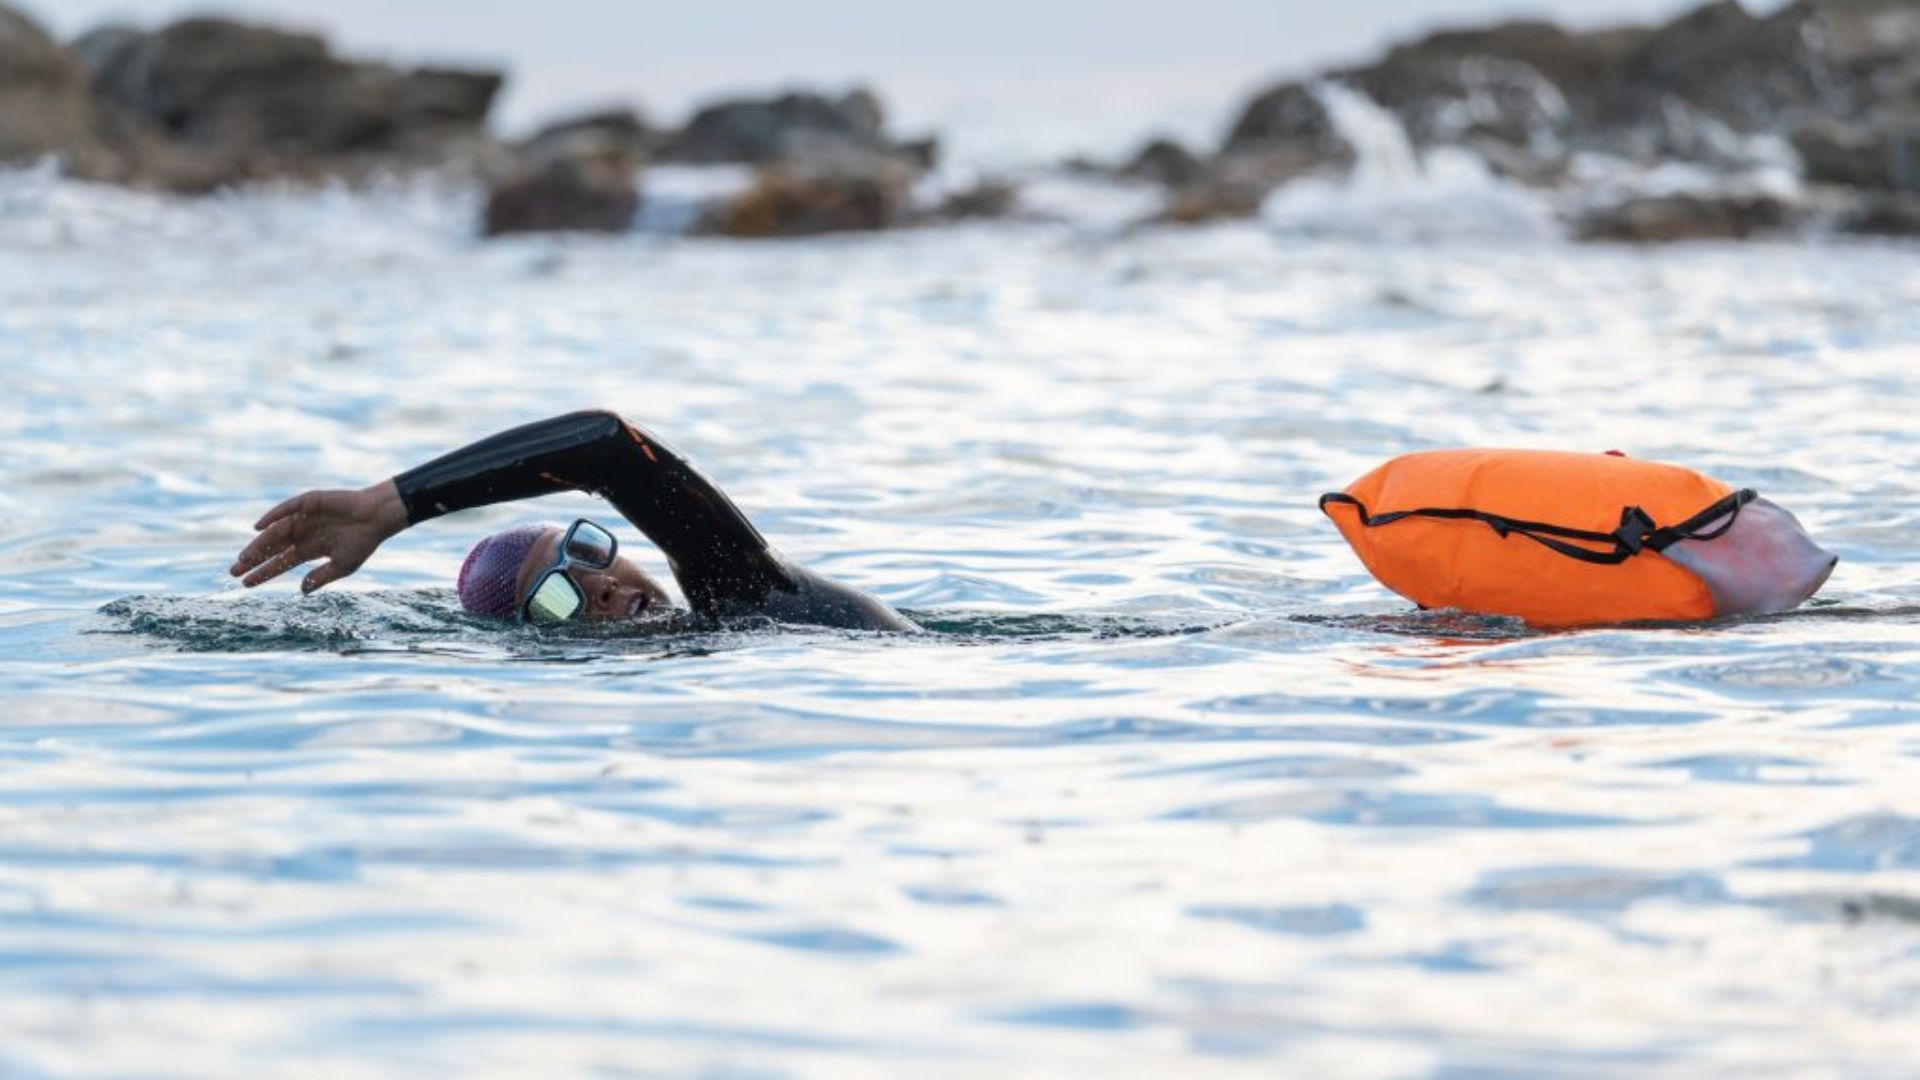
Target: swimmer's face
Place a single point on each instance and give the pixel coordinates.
(621, 591)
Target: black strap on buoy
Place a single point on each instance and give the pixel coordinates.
(1637, 532)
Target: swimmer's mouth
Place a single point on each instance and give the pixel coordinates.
(637, 605)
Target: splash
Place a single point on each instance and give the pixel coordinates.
(413, 620)
(398, 621)
(1395, 193)
(331, 622)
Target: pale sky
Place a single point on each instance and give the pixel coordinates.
(1132, 64)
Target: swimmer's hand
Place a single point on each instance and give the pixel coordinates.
(342, 527)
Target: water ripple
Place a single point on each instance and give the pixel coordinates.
(1170, 788)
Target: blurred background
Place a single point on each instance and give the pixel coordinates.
(1635, 121)
(1104, 62)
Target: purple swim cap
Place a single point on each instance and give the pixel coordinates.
(488, 577)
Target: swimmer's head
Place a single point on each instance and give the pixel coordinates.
(501, 568)
(489, 579)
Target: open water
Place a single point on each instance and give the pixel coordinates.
(1172, 789)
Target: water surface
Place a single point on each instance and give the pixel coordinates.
(1173, 789)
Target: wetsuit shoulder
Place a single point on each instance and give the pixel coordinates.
(814, 598)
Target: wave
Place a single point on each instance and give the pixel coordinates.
(431, 620)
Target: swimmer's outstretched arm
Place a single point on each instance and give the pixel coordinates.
(722, 563)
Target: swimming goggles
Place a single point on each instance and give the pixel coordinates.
(555, 597)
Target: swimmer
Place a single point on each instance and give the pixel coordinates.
(548, 574)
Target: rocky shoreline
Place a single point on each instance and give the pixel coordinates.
(1826, 90)
(1717, 124)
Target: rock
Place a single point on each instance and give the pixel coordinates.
(621, 129)
(1288, 115)
(1523, 94)
(435, 99)
(1508, 81)
(1268, 166)
(986, 199)
(922, 153)
(1862, 34)
(1878, 156)
(1808, 60)
(1211, 200)
(1841, 76)
(801, 201)
(1283, 133)
(758, 132)
(44, 108)
(207, 103)
(1884, 215)
(1685, 217)
(105, 48)
(1735, 67)
(200, 79)
(254, 90)
(47, 110)
(1164, 161)
(592, 188)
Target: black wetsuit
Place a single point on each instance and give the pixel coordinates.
(722, 563)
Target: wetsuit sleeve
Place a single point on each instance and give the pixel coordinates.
(722, 563)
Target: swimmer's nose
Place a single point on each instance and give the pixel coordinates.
(611, 600)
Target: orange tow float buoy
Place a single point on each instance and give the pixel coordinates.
(1563, 539)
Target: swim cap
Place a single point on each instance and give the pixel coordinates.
(488, 577)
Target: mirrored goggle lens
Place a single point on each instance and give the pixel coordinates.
(590, 545)
(555, 599)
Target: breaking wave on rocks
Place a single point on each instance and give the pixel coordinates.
(1394, 192)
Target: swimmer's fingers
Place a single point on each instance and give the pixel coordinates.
(271, 540)
(322, 576)
(280, 547)
(307, 501)
(268, 540)
(281, 562)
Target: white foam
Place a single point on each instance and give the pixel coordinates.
(1395, 193)
(1763, 165)
(1094, 203)
(40, 209)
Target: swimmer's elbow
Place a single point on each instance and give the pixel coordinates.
(596, 418)
(603, 424)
